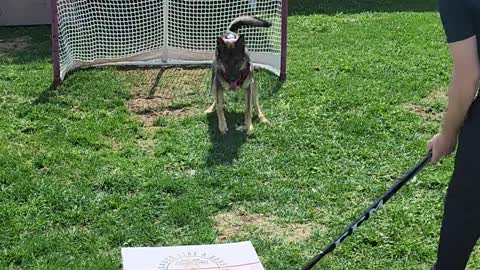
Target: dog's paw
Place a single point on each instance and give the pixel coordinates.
(210, 110)
(242, 128)
(223, 129)
(264, 120)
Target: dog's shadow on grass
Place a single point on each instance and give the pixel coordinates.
(225, 148)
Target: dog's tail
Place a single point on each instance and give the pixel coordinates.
(247, 20)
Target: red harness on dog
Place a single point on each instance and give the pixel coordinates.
(240, 81)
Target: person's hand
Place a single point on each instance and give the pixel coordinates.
(441, 145)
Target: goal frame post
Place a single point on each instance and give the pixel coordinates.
(55, 44)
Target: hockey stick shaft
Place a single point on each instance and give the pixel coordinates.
(371, 210)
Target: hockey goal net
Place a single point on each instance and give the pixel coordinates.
(160, 32)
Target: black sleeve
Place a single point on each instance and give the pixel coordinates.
(456, 19)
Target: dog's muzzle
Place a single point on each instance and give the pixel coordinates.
(234, 84)
(239, 82)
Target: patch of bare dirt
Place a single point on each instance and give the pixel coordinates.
(420, 110)
(431, 107)
(144, 80)
(439, 95)
(10, 46)
(238, 223)
(147, 105)
(167, 92)
(116, 145)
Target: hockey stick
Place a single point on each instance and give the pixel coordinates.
(371, 210)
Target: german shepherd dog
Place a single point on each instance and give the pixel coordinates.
(232, 69)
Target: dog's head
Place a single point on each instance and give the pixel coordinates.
(232, 57)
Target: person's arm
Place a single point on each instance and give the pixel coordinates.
(462, 43)
(463, 86)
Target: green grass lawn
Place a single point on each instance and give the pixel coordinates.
(82, 174)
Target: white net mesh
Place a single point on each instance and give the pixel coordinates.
(161, 32)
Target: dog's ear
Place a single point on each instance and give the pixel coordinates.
(241, 42)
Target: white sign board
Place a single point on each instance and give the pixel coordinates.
(234, 256)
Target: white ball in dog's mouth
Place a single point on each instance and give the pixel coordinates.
(231, 36)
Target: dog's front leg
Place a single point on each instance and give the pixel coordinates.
(222, 123)
(258, 111)
(248, 111)
(213, 88)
